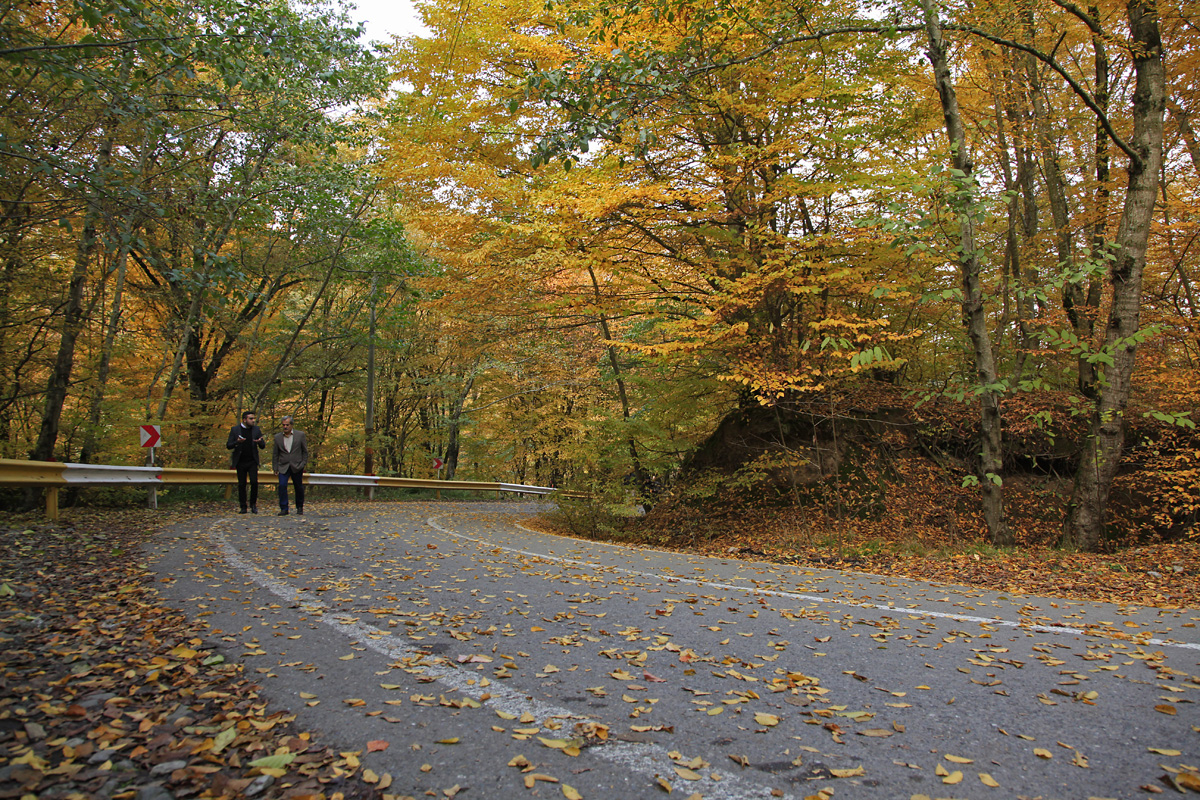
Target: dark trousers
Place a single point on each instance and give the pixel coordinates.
(298, 482)
(247, 471)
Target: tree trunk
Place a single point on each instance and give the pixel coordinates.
(1074, 299)
(1106, 440)
(454, 426)
(640, 474)
(974, 315)
(106, 350)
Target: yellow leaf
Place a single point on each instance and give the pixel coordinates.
(769, 720)
(712, 712)
(1165, 709)
(940, 771)
(308, 696)
(1041, 752)
(533, 777)
(959, 760)
(451, 740)
(953, 778)
(686, 774)
(505, 715)
(346, 658)
(571, 793)
(853, 772)
(1162, 751)
(988, 780)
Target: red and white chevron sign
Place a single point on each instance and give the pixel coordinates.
(151, 435)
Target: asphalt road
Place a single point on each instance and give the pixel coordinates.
(464, 655)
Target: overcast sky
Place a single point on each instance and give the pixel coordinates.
(385, 18)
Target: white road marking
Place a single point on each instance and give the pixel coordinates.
(1056, 629)
(647, 759)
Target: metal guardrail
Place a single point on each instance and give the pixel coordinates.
(52, 476)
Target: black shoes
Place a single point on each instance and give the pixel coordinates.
(242, 511)
(282, 513)
(253, 509)
(300, 511)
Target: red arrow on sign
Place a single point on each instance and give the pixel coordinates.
(151, 435)
(438, 463)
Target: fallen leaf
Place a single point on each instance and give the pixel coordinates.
(1041, 752)
(953, 778)
(533, 777)
(988, 780)
(377, 745)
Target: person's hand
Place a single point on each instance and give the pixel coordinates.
(241, 438)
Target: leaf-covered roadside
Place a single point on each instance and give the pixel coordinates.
(106, 693)
(1159, 575)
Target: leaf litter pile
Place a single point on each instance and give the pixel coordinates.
(106, 693)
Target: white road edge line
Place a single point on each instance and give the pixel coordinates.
(648, 759)
(1004, 623)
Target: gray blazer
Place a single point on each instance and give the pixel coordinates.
(295, 460)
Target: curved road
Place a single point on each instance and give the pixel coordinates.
(465, 655)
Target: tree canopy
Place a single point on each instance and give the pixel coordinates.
(662, 252)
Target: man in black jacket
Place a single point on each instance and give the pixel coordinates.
(245, 440)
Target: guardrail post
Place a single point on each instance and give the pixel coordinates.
(52, 503)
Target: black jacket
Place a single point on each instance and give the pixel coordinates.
(246, 451)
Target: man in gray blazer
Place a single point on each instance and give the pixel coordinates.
(289, 457)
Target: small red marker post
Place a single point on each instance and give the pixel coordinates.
(151, 436)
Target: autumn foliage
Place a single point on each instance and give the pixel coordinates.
(591, 246)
